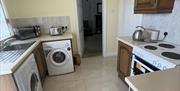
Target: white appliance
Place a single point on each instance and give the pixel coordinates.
(155, 56)
(27, 76)
(58, 30)
(59, 57)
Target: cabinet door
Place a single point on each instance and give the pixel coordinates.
(146, 4)
(124, 60)
(40, 60)
(153, 6)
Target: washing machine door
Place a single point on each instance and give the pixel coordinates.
(58, 57)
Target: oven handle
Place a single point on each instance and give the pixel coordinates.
(143, 65)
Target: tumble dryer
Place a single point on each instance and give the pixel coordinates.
(27, 76)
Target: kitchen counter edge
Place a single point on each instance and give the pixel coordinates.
(129, 41)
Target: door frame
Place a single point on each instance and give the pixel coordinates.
(80, 48)
(104, 30)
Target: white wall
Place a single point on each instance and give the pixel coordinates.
(112, 17)
(166, 23)
(128, 20)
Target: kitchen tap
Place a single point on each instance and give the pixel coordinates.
(5, 43)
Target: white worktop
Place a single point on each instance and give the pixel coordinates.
(129, 41)
(167, 80)
(10, 68)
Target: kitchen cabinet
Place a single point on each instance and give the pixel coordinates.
(153, 6)
(124, 60)
(40, 60)
(7, 83)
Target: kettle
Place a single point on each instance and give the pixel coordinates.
(138, 35)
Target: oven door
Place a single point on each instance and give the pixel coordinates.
(140, 66)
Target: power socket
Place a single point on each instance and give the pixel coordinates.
(165, 33)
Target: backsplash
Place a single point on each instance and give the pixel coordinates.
(44, 22)
(166, 23)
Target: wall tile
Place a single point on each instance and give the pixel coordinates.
(165, 23)
(44, 22)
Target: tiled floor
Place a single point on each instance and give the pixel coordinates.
(94, 74)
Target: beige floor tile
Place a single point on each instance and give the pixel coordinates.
(50, 84)
(94, 74)
(72, 86)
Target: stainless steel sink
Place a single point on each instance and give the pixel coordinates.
(17, 47)
(11, 53)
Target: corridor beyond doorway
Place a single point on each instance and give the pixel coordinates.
(93, 45)
(92, 24)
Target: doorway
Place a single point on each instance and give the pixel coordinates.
(92, 27)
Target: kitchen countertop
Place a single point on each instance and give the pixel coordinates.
(167, 80)
(11, 67)
(129, 41)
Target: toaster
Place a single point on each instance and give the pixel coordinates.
(28, 32)
(59, 30)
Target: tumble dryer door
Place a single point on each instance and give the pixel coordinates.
(58, 57)
(34, 82)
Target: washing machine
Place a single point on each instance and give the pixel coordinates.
(27, 76)
(59, 57)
